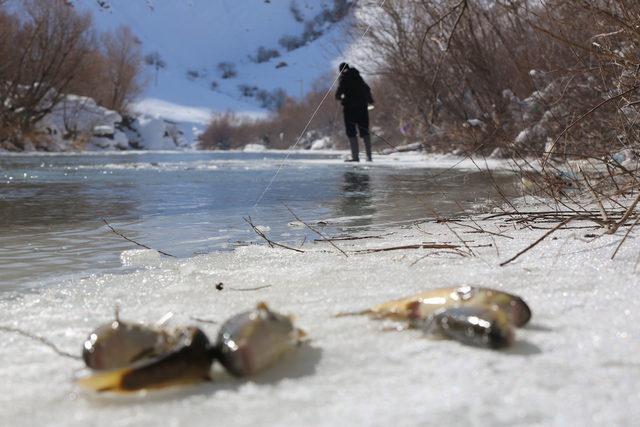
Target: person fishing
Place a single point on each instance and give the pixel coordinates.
(355, 96)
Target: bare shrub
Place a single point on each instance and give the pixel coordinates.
(192, 74)
(123, 65)
(511, 74)
(604, 81)
(339, 10)
(227, 70)
(284, 126)
(264, 55)
(312, 30)
(248, 91)
(271, 100)
(49, 44)
(219, 133)
(291, 42)
(297, 14)
(155, 60)
(50, 50)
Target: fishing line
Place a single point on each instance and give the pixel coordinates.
(41, 340)
(304, 130)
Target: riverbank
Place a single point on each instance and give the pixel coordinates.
(575, 363)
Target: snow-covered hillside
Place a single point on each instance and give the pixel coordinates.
(186, 41)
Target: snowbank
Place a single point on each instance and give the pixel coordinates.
(575, 364)
(254, 148)
(79, 123)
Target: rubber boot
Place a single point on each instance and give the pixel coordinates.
(355, 155)
(367, 147)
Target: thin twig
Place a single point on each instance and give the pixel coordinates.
(582, 117)
(531, 246)
(134, 242)
(316, 231)
(625, 237)
(269, 241)
(349, 238)
(625, 217)
(417, 246)
(257, 288)
(481, 230)
(603, 211)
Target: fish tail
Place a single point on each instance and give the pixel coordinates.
(104, 381)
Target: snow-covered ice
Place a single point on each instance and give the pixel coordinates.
(576, 363)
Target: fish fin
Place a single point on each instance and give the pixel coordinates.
(104, 381)
(430, 327)
(164, 319)
(301, 336)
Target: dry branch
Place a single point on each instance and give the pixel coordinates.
(270, 242)
(417, 246)
(316, 231)
(350, 238)
(534, 244)
(582, 117)
(625, 237)
(134, 242)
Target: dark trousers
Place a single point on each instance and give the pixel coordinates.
(356, 119)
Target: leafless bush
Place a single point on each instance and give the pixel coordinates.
(248, 91)
(282, 128)
(227, 70)
(338, 10)
(291, 42)
(511, 74)
(271, 100)
(264, 55)
(193, 74)
(123, 69)
(48, 44)
(297, 14)
(155, 60)
(50, 50)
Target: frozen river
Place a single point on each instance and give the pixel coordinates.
(574, 364)
(51, 206)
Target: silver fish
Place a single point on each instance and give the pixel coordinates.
(188, 361)
(470, 325)
(118, 343)
(424, 304)
(252, 341)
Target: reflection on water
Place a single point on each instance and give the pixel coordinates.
(356, 201)
(51, 207)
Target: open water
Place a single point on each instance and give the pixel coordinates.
(52, 206)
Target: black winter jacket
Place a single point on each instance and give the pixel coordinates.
(352, 89)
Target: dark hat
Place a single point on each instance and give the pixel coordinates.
(343, 66)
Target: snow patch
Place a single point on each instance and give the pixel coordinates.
(254, 148)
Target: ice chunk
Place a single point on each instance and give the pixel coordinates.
(140, 258)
